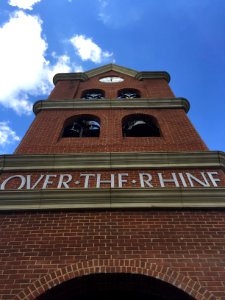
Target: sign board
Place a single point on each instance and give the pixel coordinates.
(121, 180)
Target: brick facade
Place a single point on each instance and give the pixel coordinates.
(189, 243)
(149, 88)
(181, 249)
(44, 136)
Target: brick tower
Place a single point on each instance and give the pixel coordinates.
(112, 192)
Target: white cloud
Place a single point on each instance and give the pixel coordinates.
(24, 69)
(24, 4)
(62, 65)
(21, 59)
(7, 135)
(103, 15)
(88, 50)
(119, 14)
(103, 3)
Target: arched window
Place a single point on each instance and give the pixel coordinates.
(128, 94)
(93, 94)
(82, 126)
(112, 286)
(138, 125)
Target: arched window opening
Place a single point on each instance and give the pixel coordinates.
(128, 94)
(140, 126)
(112, 286)
(93, 94)
(82, 126)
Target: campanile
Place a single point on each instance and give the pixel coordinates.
(112, 192)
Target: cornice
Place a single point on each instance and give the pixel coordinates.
(153, 75)
(116, 160)
(154, 103)
(113, 198)
(111, 67)
(83, 76)
(70, 76)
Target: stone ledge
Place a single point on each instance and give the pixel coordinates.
(113, 198)
(114, 160)
(69, 76)
(153, 75)
(156, 103)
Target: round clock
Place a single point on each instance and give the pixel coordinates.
(111, 79)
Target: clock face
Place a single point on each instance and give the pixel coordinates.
(111, 79)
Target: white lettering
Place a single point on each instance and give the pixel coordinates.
(48, 181)
(29, 187)
(213, 180)
(145, 182)
(64, 183)
(86, 180)
(191, 177)
(163, 181)
(111, 181)
(121, 180)
(182, 179)
(22, 181)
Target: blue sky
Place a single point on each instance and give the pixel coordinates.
(39, 38)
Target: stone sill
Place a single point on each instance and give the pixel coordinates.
(112, 198)
(146, 103)
(114, 160)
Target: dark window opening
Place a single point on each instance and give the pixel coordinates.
(115, 286)
(82, 126)
(93, 94)
(140, 126)
(128, 94)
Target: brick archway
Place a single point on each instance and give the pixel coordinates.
(83, 268)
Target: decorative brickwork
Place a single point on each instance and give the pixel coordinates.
(115, 266)
(184, 248)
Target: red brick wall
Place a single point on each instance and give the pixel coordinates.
(177, 132)
(149, 88)
(191, 243)
(44, 135)
(64, 90)
(36, 245)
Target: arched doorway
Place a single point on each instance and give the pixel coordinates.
(115, 286)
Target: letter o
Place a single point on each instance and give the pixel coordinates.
(22, 183)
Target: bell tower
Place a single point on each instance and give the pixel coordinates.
(116, 109)
(112, 192)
